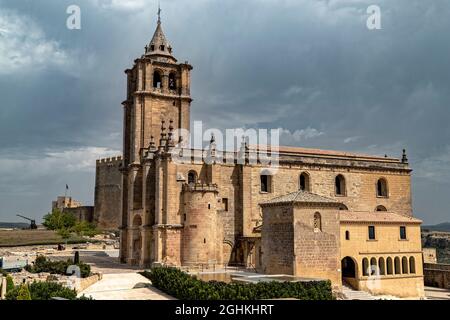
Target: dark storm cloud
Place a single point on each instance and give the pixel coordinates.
(310, 67)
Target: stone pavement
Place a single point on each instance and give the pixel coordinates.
(124, 286)
(437, 293)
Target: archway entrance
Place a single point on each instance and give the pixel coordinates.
(348, 268)
(349, 272)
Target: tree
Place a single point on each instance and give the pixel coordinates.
(24, 293)
(57, 220)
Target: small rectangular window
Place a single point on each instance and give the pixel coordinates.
(371, 233)
(265, 183)
(225, 204)
(403, 233)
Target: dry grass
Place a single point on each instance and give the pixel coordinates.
(33, 237)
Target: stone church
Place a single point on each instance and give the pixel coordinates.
(324, 214)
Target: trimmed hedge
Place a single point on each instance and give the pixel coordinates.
(43, 291)
(186, 287)
(57, 267)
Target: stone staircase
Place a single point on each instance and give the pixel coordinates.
(352, 294)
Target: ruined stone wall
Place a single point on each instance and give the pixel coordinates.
(108, 194)
(429, 255)
(437, 275)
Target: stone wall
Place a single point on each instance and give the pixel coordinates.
(277, 240)
(108, 194)
(317, 253)
(85, 213)
(437, 275)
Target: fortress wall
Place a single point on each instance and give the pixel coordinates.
(108, 193)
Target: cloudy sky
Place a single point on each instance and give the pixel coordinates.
(310, 67)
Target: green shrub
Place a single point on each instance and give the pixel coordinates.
(9, 283)
(23, 293)
(43, 291)
(41, 264)
(186, 287)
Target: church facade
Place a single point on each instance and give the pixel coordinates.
(322, 214)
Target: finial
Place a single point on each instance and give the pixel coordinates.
(171, 143)
(213, 138)
(159, 11)
(404, 158)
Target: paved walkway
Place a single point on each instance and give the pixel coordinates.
(124, 286)
(437, 293)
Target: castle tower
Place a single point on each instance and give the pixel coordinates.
(158, 91)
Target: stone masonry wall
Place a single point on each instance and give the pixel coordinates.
(277, 241)
(317, 251)
(108, 194)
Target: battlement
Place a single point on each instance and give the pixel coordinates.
(112, 160)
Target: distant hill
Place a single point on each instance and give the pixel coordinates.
(13, 225)
(445, 227)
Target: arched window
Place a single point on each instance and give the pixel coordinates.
(365, 266)
(343, 207)
(405, 265)
(373, 267)
(412, 265)
(380, 208)
(397, 265)
(347, 235)
(172, 81)
(192, 177)
(304, 182)
(340, 185)
(157, 80)
(382, 190)
(389, 266)
(317, 222)
(382, 266)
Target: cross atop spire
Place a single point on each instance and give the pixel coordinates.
(159, 11)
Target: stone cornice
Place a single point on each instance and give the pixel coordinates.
(380, 222)
(162, 95)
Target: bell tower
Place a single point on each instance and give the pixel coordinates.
(158, 88)
(158, 91)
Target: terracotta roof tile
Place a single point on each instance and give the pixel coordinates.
(329, 153)
(300, 197)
